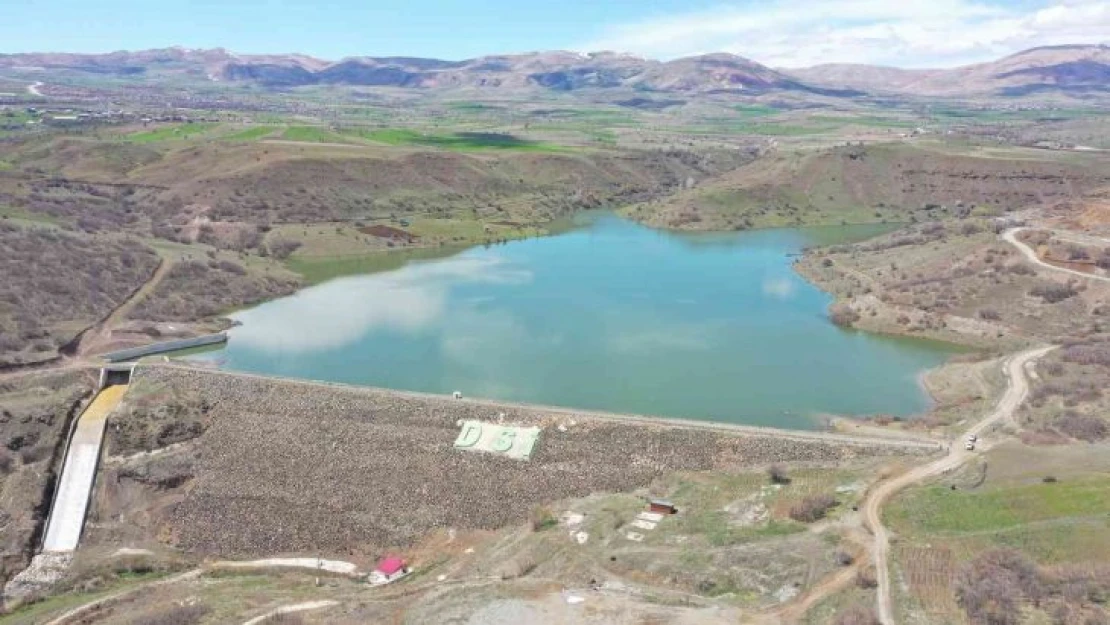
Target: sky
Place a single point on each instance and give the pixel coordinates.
(781, 33)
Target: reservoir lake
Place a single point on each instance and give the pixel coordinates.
(611, 316)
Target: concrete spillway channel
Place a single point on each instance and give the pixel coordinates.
(71, 498)
(74, 488)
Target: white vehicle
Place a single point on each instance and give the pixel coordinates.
(970, 445)
(971, 438)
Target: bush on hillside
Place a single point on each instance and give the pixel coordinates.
(992, 587)
(1053, 293)
(812, 508)
(1082, 427)
(857, 615)
(777, 473)
(843, 315)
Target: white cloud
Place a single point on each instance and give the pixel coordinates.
(906, 33)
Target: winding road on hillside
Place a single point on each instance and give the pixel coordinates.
(1016, 392)
(100, 334)
(1011, 237)
(33, 89)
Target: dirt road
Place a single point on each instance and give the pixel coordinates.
(1016, 391)
(33, 89)
(81, 611)
(100, 334)
(1011, 237)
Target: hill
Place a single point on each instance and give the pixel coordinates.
(1075, 70)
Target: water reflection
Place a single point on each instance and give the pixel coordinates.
(343, 311)
(613, 316)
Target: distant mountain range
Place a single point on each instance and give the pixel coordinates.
(1074, 70)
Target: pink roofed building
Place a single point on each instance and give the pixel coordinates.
(389, 569)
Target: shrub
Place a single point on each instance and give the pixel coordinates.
(989, 314)
(843, 315)
(283, 619)
(865, 577)
(777, 473)
(857, 615)
(991, 587)
(1089, 354)
(283, 248)
(230, 267)
(1020, 269)
(1080, 426)
(1053, 293)
(812, 508)
(1076, 252)
(542, 519)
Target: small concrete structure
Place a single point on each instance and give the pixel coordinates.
(662, 506)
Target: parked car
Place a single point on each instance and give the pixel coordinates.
(970, 445)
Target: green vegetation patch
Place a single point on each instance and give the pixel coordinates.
(312, 134)
(937, 509)
(316, 270)
(169, 133)
(864, 120)
(459, 141)
(754, 110)
(471, 107)
(250, 134)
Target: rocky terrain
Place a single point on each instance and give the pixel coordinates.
(274, 466)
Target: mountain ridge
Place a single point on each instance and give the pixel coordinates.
(1074, 69)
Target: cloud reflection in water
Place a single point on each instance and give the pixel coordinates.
(411, 299)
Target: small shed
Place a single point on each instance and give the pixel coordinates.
(662, 506)
(390, 569)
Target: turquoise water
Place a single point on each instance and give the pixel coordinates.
(611, 316)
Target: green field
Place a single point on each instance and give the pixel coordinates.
(319, 269)
(457, 141)
(169, 133)
(754, 110)
(251, 134)
(312, 134)
(939, 510)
